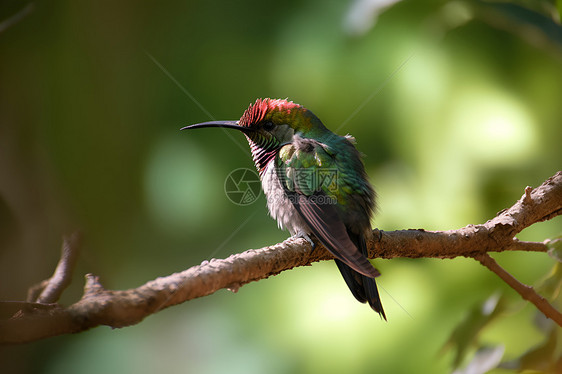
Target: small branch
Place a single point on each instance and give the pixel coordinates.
(496, 235)
(526, 292)
(51, 289)
(99, 306)
(34, 291)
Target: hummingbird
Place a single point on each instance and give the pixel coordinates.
(315, 184)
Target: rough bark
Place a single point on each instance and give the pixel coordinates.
(99, 306)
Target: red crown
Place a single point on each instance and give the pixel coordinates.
(257, 111)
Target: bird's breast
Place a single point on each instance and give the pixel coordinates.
(279, 205)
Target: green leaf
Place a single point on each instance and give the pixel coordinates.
(550, 286)
(555, 248)
(541, 358)
(486, 359)
(466, 333)
(528, 23)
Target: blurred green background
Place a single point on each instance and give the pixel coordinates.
(456, 105)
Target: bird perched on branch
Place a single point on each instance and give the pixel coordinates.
(315, 184)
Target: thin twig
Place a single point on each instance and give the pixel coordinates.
(527, 292)
(63, 273)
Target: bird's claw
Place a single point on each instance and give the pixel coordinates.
(305, 236)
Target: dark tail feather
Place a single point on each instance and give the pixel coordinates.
(363, 288)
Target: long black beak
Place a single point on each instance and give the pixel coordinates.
(223, 124)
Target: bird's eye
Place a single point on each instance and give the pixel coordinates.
(267, 126)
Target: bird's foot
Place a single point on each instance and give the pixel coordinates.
(305, 236)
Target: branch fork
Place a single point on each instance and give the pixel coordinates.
(39, 317)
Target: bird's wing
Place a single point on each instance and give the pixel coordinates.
(307, 176)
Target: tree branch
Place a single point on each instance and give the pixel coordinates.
(99, 306)
(50, 290)
(526, 292)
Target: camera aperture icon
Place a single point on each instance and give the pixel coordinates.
(242, 186)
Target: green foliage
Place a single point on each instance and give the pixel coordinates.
(465, 334)
(544, 357)
(555, 248)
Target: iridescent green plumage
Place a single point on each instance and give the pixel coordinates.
(333, 167)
